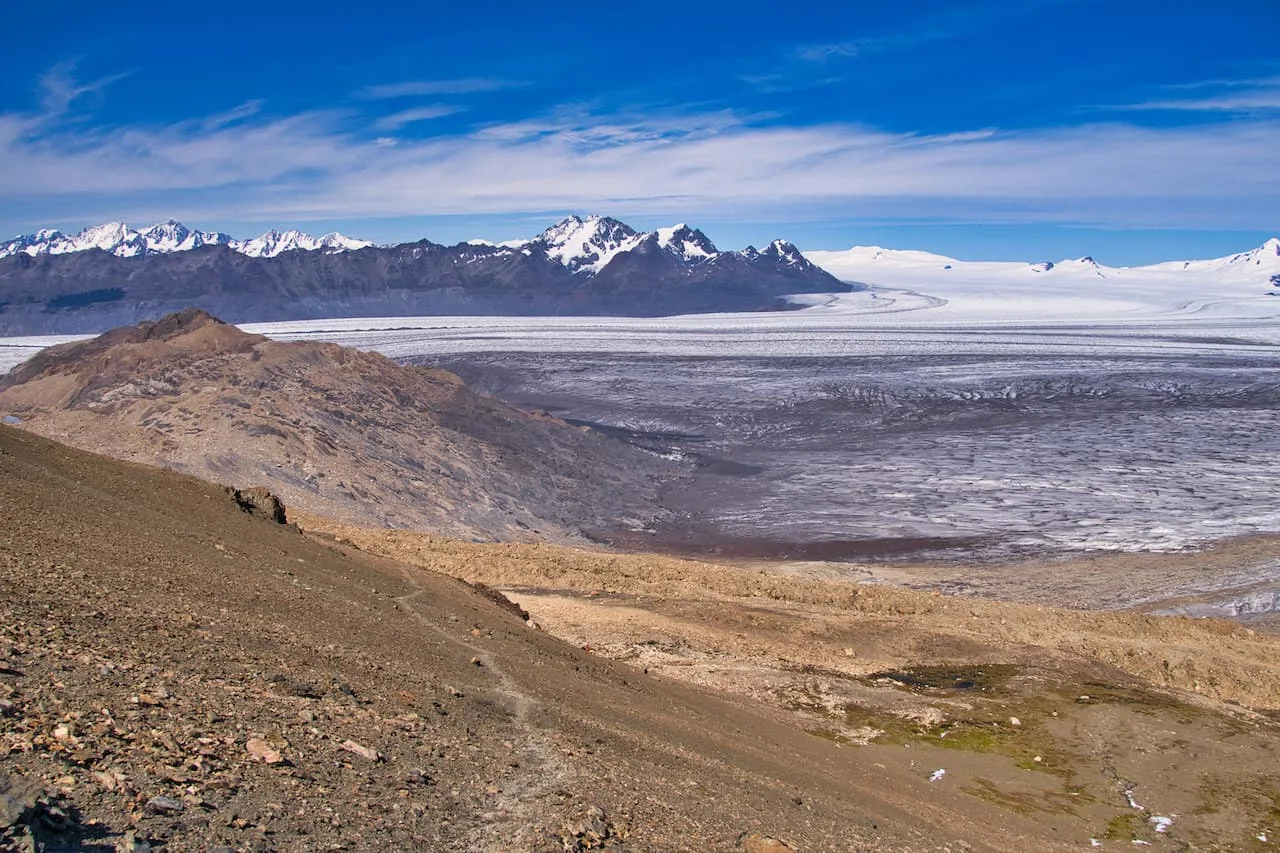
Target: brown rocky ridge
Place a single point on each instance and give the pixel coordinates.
(347, 434)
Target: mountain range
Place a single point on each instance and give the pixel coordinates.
(117, 238)
(112, 275)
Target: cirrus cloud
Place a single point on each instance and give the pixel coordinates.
(323, 165)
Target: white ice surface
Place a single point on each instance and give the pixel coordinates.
(877, 321)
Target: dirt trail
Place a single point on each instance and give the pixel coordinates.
(541, 770)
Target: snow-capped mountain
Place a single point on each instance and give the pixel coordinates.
(782, 253)
(586, 245)
(173, 236)
(689, 243)
(274, 242)
(114, 237)
(1257, 269)
(117, 238)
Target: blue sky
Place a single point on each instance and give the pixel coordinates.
(1131, 130)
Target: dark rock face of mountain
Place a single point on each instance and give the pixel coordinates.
(92, 290)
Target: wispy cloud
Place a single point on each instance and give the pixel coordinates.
(395, 121)
(1218, 96)
(854, 48)
(418, 88)
(833, 50)
(233, 115)
(60, 87)
(944, 23)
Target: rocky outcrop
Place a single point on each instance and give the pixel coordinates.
(260, 503)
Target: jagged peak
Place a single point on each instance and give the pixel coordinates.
(689, 243)
(586, 245)
(169, 226)
(785, 252)
(113, 227)
(573, 226)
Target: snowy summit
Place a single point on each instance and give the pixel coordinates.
(117, 238)
(588, 245)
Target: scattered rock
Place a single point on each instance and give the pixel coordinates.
(263, 751)
(754, 842)
(108, 781)
(362, 751)
(132, 844)
(304, 690)
(594, 831)
(18, 797)
(164, 806)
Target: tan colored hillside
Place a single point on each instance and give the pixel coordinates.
(344, 433)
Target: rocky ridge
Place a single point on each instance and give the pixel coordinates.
(340, 432)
